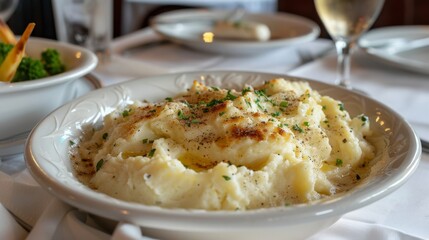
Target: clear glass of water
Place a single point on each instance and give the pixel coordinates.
(89, 23)
(345, 21)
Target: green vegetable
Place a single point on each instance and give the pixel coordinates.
(30, 68)
(4, 49)
(227, 178)
(52, 62)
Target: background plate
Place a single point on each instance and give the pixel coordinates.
(384, 44)
(186, 27)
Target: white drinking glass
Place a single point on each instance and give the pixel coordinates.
(345, 21)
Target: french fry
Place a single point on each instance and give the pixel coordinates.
(13, 59)
(6, 35)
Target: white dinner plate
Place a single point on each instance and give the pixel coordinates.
(15, 145)
(406, 47)
(187, 26)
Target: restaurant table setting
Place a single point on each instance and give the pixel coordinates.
(28, 211)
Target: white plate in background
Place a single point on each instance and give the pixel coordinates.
(187, 26)
(397, 46)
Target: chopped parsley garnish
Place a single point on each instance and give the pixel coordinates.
(276, 114)
(214, 102)
(125, 113)
(341, 106)
(307, 124)
(181, 115)
(99, 165)
(229, 96)
(145, 140)
(245, 90)
(339, 162)
(323, 107)
(151, 152)
(169, 99)
(221, 113)
(284, 104)
(105, 136)
(297, 128)
(227, 178)
(195, 121)
(364, 119)
(215, 88)
(71, 142)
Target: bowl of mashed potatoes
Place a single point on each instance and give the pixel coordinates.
(187, 154)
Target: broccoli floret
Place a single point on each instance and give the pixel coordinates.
(52, 62)
(4, 49)
(29, 69)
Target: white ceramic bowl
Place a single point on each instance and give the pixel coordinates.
(47, 156)
(23, 104)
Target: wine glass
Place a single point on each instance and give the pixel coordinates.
(345, 21)
(7, 7)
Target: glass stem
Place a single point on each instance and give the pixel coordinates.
(343, 65)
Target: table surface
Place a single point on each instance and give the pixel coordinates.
(406, 210)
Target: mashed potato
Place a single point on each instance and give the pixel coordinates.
(277, 144)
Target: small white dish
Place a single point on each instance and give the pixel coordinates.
(15, 145)
(398, 47)
(48, 160)
(286, 30)
(26, 103)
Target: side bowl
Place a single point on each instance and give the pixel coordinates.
(47, 157)
(26, 103)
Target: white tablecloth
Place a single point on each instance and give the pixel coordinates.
(402, 215)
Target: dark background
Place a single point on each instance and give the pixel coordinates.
(395, 12)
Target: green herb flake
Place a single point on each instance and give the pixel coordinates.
(284, 104)
(99, 165)
(297, 128)
(214, 102)
(230, 96)
(105, 136)
(71, 143)
(227, 178)
(307, 124)
(324, 107)
(245, 90)
(181, 115)
(221, 114)
(276, 114)
(364, 119)
(195, 121)
(169, 99)
(215, 89)
(145, 140)
(339, 162)
(151, 152)
(125, 113)
(341, 106)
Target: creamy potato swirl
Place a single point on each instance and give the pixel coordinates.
(277, 144)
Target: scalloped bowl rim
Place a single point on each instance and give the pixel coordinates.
(152, 216)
